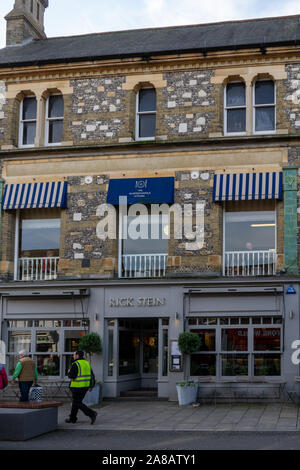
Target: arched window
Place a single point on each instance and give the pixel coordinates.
(264, 106)
(145, 114)
(54, 119)
(235, 108)
(27, 128)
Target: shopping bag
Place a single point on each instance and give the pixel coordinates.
(36, 393)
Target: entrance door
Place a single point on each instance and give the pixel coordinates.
(138, 353)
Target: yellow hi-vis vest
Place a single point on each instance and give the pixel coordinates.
(84, 376)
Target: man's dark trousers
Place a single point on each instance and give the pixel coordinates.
(78, 395)
(24, 390)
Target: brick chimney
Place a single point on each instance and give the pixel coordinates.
(25, 21)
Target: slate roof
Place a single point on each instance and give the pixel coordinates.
(156, 41)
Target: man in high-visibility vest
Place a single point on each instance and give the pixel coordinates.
(82, 380)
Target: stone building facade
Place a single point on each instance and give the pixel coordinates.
(101, 140)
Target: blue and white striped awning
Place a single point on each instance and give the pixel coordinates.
(35, 195)
(247, 186)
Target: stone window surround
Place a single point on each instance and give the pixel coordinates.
(41, 119)
(249, 74)
(41, 91)
(250, 104)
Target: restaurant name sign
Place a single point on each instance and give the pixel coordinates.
(136, 302)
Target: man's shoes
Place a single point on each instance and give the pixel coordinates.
(69, 420)
(94, 417)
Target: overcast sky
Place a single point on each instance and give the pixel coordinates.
(71, 17)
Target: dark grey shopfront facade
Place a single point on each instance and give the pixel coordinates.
(247, 330)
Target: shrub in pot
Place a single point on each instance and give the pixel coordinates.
(188, 343)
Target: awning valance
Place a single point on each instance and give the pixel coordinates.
(141, 190)
(35, 195)
(247, 186)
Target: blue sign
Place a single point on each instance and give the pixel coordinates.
(141, 190)
(291, 290)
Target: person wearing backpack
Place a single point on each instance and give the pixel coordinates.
(3, 377)
(82, 380)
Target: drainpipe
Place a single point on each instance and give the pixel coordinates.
(290, 219)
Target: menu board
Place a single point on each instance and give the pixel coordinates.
(175, 356)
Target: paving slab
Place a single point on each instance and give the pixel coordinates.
(167, 416)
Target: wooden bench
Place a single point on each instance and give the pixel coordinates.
(20, 421)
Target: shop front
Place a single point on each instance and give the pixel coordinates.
(138, 322)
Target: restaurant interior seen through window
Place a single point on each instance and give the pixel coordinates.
(233, 346)
(50, 342)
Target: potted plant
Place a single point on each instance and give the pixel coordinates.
(91, 344)
(188, 343)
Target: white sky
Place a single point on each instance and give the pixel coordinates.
(71, 17)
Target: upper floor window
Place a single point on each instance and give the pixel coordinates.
(264, 106)
(146, 114)
(27, 129)
(235, 108)
(54, 119)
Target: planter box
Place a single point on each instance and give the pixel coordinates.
(187, 394)
(93, 397)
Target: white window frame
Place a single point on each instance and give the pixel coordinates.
(21, 124)
(263, 106)
(251, 353)
(138, 114)
(227, 108)
(224, 231)
(47, 121)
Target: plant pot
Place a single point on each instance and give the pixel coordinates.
(187, 394)
(93, 397)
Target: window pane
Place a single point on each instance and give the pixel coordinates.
(129, 352)
(235, 339)
(12, 362)
(48, 365)
(147, 124)
(236, 120)
(235, 94)
(18, 340)
(264, 92)
(55, 132)
(40, 234)
(56, 106)
(250, 231)
(203, 364)
(147, 100)
(29, 109)
(68, 363)
(29, 130)
(265, 119)
(266, 339)
(150, 353)
(47, 341)
(151, 233)
(72, 339)
(208, 339)
(234, 364)
(267, 364)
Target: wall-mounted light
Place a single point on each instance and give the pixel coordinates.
(96, 317)
(176, 316)
(291, 314)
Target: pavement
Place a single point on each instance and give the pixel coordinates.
(169, 416)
